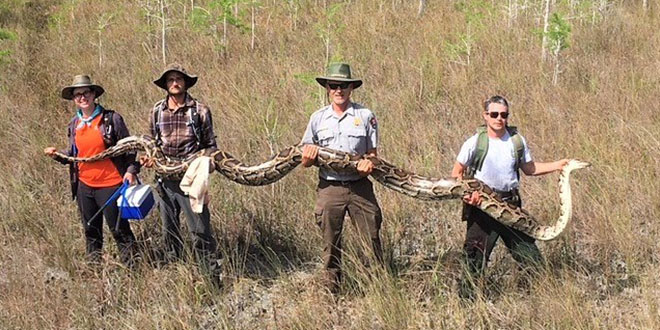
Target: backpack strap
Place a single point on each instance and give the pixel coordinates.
(156, 113)
(481, 148)
(109, 134)
(518, 147)
(195, 122)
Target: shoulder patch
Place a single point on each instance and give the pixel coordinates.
(373, 122)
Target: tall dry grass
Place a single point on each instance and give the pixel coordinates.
(602, 272)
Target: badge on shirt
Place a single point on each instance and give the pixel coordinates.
(357, 122)
(373, 122)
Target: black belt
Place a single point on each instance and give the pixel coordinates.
(508, 195)
(341, 183)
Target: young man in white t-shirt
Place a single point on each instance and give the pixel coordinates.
(498, 171)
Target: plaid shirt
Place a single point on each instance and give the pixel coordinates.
(176, 129)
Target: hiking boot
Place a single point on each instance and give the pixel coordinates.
(214, 269)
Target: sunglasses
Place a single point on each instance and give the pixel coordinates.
(343, 85)
(494, 114)
(86, 94)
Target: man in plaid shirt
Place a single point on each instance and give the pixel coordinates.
(181, 126)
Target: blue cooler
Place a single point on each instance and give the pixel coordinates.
(136, 202)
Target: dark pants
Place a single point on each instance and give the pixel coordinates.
(90, 200)
(480, 238)
(334, 200)
(199, 224)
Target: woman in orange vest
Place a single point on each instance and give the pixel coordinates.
(92, 130)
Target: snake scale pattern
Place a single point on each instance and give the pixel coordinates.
(402, 181)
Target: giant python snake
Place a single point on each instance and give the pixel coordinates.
(402, 181)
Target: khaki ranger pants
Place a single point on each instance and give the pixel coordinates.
(334, 200)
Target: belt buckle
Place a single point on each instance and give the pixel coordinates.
(504, 194)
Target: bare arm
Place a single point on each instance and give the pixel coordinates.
(535, 168)
(457, 173)
(458, 170)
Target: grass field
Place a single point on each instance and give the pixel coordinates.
(426, 70)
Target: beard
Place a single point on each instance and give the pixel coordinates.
(176, 93)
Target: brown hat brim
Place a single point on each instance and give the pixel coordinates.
(67, 92)
(190, 80)
(324, 80)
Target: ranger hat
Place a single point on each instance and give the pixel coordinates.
(81, 80)
(190, 79)
(339, 72)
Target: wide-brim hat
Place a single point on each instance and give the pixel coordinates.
(339, 72)
(79, 81)
(190, 79)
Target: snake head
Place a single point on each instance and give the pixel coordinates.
(574, 164)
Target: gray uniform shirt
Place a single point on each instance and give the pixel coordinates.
(355, 131)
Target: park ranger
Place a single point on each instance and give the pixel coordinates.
(349, 127)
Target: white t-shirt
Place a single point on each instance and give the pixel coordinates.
(498, 170)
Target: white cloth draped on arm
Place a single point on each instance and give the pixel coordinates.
(195, 183)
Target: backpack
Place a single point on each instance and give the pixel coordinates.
(109, 134)
(482, 149)
(194, 121)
